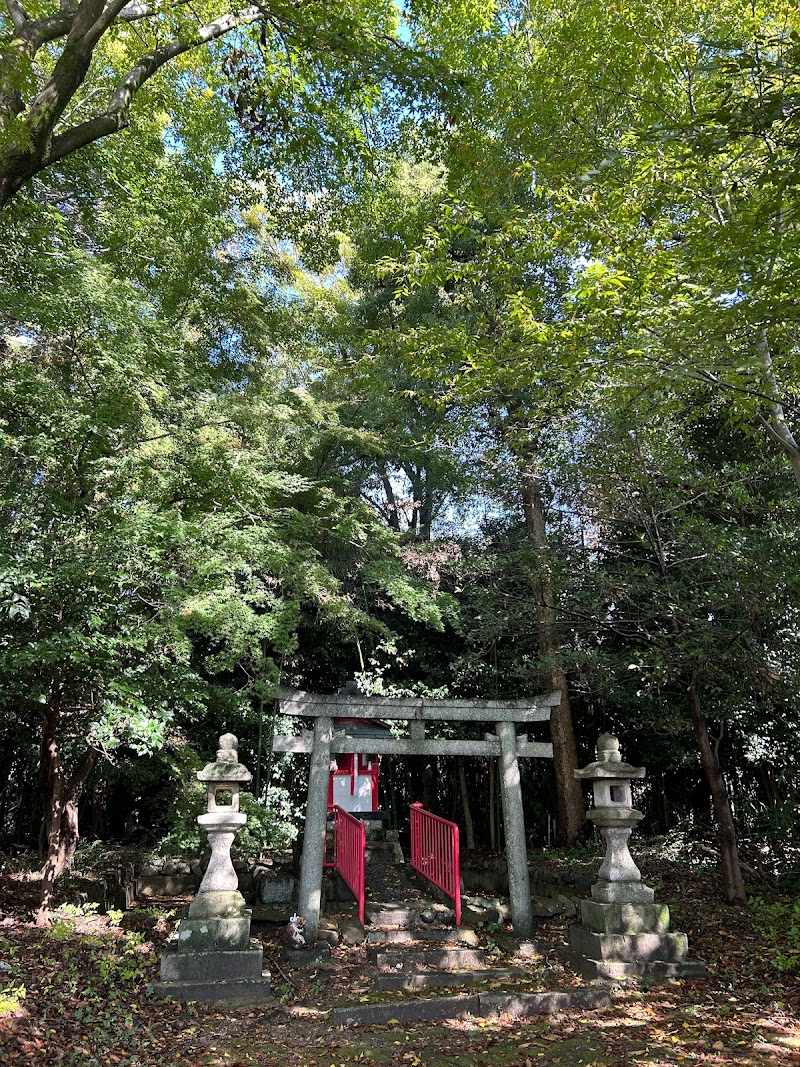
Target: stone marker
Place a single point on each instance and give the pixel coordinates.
(624, 933)
(213, 959)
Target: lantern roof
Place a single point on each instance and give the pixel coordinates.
(226, 767)
(609, 763)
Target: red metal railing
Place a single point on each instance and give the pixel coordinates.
(349, 847)
(435, 853)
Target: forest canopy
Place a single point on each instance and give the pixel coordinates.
(452, 348)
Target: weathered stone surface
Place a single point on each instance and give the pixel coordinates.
(165, 885)
(307, 955)
(460, 935)
(214, 965)
(450, 958)
(351, 931)
(629, 947)
(622, 893)
(410, 1011)
(218, 904)
(271, 915)
(241, 991)
(383, 852)
(474, 915)
(521, 1005)
(625, 918)
(276, 889)
(441, 914)
(653, 969)
(448, 979)
(391, 915)
(203, 935)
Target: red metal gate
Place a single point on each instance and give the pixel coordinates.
(349, 847)
(435, 853)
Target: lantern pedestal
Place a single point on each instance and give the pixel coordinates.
(624, 933)
(213, 959)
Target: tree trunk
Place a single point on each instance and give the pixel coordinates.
(732, 880)
(429, 785)
(571, 813)
(60, 799)
(469, 831)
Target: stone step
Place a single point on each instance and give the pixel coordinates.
(390, 915)
(629, 948)
(653, 969)
(459, 935)
(409, 1011)
(229, 991)
(523, 1005)
(433, 1009)
(448, 979)
(443, 958)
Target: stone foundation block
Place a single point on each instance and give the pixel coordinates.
(653, 969)
(212, 966)
(307, 955)
(629, 948)
(622, 893)
(625, 918)
(243, 991)
(203, 935)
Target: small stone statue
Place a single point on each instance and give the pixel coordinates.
(296, 924)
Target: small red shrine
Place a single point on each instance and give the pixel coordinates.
(353, 782)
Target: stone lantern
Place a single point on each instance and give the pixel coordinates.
(624, 933)
(213, 958)
(618, 879)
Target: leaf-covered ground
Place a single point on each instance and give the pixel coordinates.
(78, 994)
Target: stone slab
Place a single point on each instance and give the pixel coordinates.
(522, 1005)
(622, 893)
(458, 936)
(351, 931)
(389, 916)
(166, 885)
(449, 980)
(625, 918)
(655, 970)
(474, 915)
(450, 958)
(245, 991)
(271, 915)
(275, 889)
(213, 966)
(630, 948)
(403, 1012)
(203, 935)
(308, 955)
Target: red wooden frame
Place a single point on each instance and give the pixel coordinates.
(435, 853)
(349, 850)
(351, 765)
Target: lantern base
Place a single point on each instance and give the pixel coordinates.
(230, 991)
(622, 893)
(204, 935)
(212, 966)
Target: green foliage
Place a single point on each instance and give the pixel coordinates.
(778, 922)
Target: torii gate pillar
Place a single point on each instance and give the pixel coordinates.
(311, 868)
(519, 882)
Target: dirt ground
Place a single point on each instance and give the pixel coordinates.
(80, 994)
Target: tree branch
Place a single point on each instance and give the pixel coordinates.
(115, 117)
(19, 16)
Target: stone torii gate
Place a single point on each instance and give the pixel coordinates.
(323, 742)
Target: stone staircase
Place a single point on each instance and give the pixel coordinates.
(409, 957)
